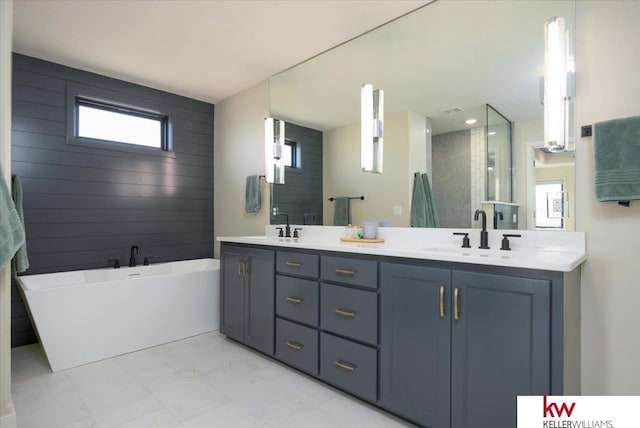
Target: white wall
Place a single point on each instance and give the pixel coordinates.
(7, 414)
(342, 175)
(607, 64)
(239, 152)
(523, 133)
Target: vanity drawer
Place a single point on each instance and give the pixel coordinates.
(350, 271)
(297, 299)
(297, 263)
(348, 365)
(297, 345)
(349, 312)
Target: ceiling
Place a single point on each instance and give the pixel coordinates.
(207, 50)
(463, 53)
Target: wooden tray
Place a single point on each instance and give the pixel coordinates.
(363, 241)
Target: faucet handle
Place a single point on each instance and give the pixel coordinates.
(116, 263)
(146, 260)
(505, 241)
(281, 233)
(465, 240)
(295, 232)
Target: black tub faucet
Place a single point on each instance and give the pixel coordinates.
(484, 235)
(132, 260)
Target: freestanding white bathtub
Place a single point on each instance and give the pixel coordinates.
(86, 316)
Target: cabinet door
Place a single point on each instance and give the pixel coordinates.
(260, 300)
(232, 293)
(500, 347)
(415, 352)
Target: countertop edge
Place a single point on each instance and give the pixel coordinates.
(572, 261)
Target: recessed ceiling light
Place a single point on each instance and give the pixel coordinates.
(490, 168)
(492, 132)
(470, 121)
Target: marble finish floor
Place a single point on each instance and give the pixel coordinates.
(203, 381)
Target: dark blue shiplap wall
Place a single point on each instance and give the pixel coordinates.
(86, 205)
(302, 191)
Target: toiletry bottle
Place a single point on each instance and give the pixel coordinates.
(348, 231)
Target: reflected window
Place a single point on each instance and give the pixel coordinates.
(290, 154)
(549, 205)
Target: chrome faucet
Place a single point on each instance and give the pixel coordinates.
(132, 260)
(484, 235)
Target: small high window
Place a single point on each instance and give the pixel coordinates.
(290, 157)
(102, 121)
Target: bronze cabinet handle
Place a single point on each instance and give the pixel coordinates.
(296, 265)
(242, 266)
(295, 346)
(296, 300)
(442, 301)
(345, 313)
(456, 304)
(345, 366)
(345, 272)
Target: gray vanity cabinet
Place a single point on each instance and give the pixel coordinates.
(247, 296)
(415, 342)
(297, 301)
(481, 339)
(501, 346)
(444, 345)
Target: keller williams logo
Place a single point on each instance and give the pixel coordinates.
(552, 410)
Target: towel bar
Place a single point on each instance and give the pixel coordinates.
(350, 197)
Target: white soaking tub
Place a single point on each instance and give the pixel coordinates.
(86, 316)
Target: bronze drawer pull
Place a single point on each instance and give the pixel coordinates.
(345, 272)
(349, 314)
(296, 300)
(456, 304)
(242, 266)
(442, 301)
(296, 265)
(295, 346)
(345, 366)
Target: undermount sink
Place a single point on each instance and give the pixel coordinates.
(470, 252)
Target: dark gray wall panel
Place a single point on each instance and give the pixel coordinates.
(302, 191)
(85, 205)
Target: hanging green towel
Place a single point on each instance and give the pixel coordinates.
(423, 209)
(253, 196)
(342, 213)
(11, 228)
(418, 203)
(431, 214)
(616, 145)
(20, 261)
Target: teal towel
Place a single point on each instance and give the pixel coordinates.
(342, 213)
(11, 229)
(423, 209)
(431, 213)
(20, 261)
(418, 203)
(617, 159)
(253, 196)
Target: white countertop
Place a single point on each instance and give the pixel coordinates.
(543, 250)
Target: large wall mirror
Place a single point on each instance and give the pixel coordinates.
(439, 66)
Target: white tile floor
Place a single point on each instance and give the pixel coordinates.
(204, 381)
